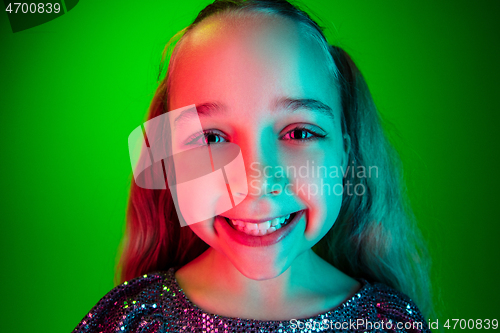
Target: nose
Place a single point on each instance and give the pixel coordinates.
(263, 179)
(265, 174)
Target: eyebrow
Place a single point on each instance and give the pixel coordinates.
(204, 109)
(292, 105)
(286, 104)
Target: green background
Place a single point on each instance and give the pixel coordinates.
(72, 90)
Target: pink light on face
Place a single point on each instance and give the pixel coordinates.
(203, 191)
(207, 179)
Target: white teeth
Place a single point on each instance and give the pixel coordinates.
(252, 226)
(260, 229)
(265, 225)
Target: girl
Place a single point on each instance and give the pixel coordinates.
(319, 238)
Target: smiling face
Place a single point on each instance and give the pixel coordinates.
(262, 83)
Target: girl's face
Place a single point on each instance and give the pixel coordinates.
(270, 93)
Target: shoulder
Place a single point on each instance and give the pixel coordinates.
(382, 304)
(131, 301)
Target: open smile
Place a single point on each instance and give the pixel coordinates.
(261, 228)
(259, 233)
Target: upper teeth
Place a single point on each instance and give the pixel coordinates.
(262, 228)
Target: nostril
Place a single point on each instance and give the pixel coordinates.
(275, 190)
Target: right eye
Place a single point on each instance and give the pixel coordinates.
(208, 137)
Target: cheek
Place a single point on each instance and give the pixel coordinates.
(205, 230)
(317, 182)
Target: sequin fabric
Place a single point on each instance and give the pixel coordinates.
(155, 303)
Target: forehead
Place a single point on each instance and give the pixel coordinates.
(250, 58)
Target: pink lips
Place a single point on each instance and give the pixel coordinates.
(256, 241)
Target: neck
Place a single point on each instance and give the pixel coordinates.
(305, 288)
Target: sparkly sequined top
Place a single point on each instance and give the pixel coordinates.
(156, 303)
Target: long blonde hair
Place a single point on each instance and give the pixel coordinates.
(374, 237)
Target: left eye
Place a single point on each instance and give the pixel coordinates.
(300, 133)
